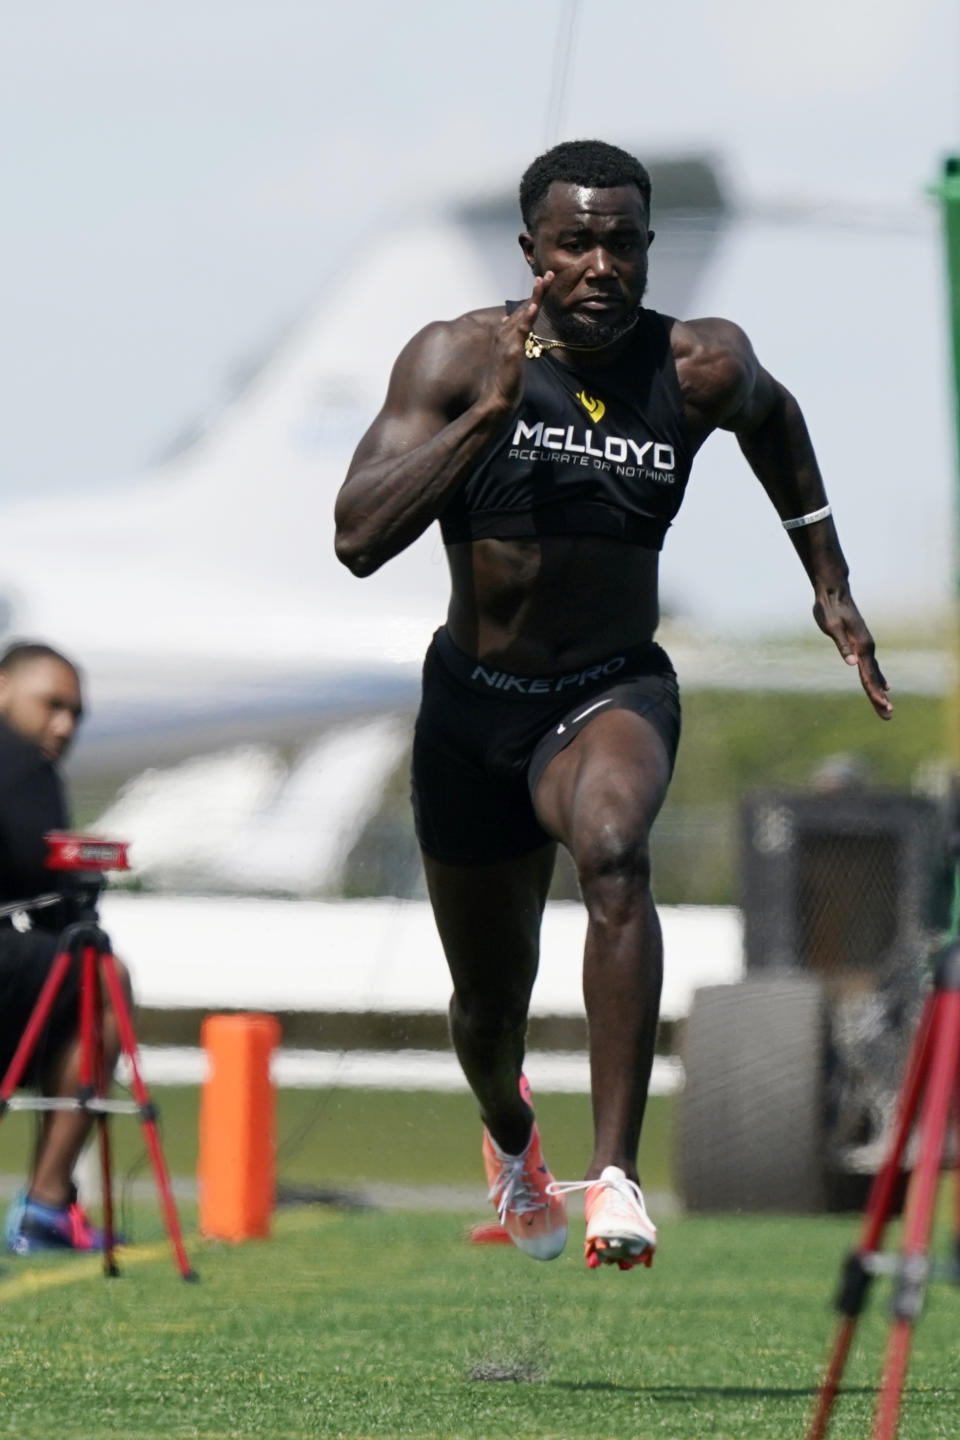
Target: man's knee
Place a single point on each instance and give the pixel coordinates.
(488, 1019)
(612, 856)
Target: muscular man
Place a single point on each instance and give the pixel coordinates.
(554, 443)
(40, 708)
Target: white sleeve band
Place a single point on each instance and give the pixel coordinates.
(810, 519)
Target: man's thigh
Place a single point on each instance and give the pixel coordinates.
(613, 777)
(25, 963)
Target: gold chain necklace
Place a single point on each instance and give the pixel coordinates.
(535, 345)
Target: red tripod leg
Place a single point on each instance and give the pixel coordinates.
(880, 1199)
(88, 1021)
(34, 1026)
(128, 1044)
(956, 1180)
(911, 1280)
(856, 1279)
(102, 1085)
(92, 1083)
(956, 1189)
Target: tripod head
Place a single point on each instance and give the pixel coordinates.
(82, 862)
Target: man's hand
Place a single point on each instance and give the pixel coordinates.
(838, 617)
(502, 385)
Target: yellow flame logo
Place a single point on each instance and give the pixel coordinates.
(594, 408)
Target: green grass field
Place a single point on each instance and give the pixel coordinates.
(373, 1324)
(348, 1138)
(388, 1324)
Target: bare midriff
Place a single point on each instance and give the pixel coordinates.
(538, 607)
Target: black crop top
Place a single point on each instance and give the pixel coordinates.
(591, 452)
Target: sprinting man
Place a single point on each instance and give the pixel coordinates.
(553, 441)
(41, 705)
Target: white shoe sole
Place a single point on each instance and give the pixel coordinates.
(542, 1247)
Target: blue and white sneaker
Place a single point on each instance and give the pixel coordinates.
(30, 1227)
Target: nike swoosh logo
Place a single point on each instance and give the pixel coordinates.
(584, 713)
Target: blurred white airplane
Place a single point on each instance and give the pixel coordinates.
(208, 590)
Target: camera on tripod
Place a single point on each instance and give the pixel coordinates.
(81, 863)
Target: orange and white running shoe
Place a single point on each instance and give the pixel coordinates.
(520, 1187)
(619, 1230)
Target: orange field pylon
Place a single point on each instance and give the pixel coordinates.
(237, 1163)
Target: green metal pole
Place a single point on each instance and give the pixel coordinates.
(949, 193)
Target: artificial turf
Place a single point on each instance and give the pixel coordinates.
(364, 1323)
(351, 1324)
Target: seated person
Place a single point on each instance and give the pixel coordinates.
(40, 708)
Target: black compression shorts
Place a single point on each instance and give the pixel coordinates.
(25, 963)
(484, 738)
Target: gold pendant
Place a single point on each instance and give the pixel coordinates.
(532, 348)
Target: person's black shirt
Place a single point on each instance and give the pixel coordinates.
(32, 801)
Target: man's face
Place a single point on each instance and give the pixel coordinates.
(40, 699)
(595, 242)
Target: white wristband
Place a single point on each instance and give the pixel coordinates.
(810, 519)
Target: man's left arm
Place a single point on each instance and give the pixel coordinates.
(732, 391)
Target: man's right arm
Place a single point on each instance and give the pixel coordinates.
(452, 390)
(32, 802)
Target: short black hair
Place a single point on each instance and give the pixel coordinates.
(580, 162)
(23, 652)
